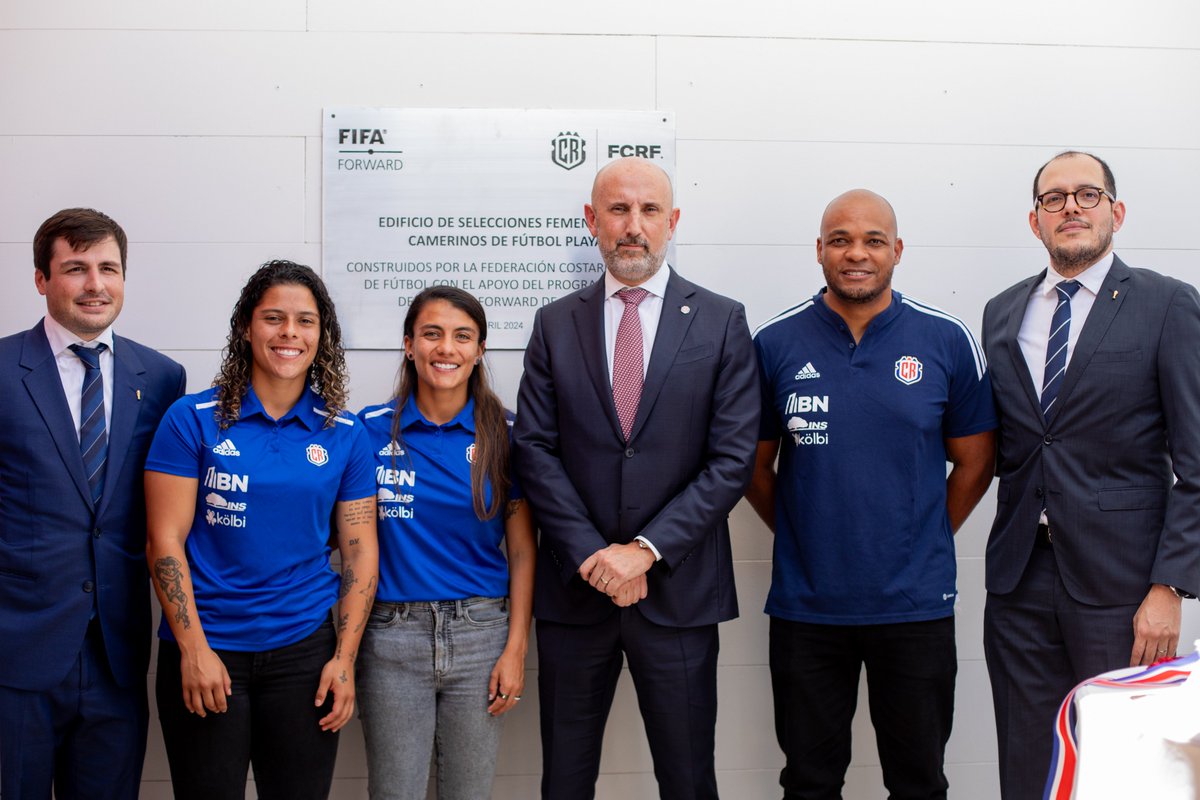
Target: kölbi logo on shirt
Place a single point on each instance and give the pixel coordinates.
(224, 520)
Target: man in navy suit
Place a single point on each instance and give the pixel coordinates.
(1096, 374)
(635, 436)
(78, 412)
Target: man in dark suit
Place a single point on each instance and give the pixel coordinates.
(80, 407)
(1096, 375)
(635, 436)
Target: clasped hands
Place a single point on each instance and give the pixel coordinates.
(619, 571)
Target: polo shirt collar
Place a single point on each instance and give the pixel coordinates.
(309, 409)
(883, 318)
(411, 415)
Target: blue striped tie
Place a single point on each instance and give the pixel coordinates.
(1056, 347)
(93, 438)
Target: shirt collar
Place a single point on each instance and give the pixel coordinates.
(309, 409)
(880, 319)
(60, 338)
(411, 415)
(656, 284)
(1091, 278)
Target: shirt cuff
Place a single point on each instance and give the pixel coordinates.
(649, 544)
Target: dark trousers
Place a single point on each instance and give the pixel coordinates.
(911, 669)
(674, 671)
(271, 724)
(86, 736)
(1039, 643)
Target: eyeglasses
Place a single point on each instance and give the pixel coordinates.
(1085, 197)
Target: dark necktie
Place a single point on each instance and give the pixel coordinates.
(628, 360)
(93, 438)
(1056, 346)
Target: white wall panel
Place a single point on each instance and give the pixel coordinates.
(266, 15)
(161, 189)
(206, 83)
(869, 91)
(1072, 22)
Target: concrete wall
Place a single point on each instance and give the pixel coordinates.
(197, 126)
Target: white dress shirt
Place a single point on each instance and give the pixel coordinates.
(1035, 328)
(71, 369)
(649, 312)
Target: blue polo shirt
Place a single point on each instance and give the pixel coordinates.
(258, 548)
(862, 536)
(431, 544)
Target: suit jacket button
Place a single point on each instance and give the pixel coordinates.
(1048, 439)
(629, 452)
(1039, 491)
(88, 586)
(95, 533)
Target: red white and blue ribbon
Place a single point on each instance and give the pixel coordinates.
(1064, 763)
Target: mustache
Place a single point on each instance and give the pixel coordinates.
(634, 240)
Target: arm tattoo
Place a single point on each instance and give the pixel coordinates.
(169, 574)
(359, 512)
(368, 592)
(512, 507)
(348, 580)
(343, 678)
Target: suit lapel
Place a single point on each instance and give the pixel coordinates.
(126, 402)
(673, 325)
(589, 325)
(1112, 295)
(46, 390)
(1011, 338)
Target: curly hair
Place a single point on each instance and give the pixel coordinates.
(327, 375)
(491, 463)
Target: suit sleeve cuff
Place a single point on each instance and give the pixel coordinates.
(650, 545)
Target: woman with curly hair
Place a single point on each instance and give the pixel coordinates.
(242, 481)
(444, 652)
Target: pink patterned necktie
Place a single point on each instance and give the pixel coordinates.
(628, 362)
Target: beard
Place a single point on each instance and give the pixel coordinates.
(1071, 259)
(635, 269)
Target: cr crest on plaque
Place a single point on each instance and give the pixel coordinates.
(567, 150)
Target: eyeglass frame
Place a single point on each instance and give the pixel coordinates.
(1074, 196)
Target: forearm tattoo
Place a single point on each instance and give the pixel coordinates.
(348, 580)
(169, 574)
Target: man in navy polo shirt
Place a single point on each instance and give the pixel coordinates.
(866, 395)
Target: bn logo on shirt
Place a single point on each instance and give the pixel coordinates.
(317, 455)
(908, 370)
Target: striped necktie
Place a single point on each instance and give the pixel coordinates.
(1056, 346)
(93, 438)
(628, 360)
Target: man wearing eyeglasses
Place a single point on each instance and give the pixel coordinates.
(1095, 369)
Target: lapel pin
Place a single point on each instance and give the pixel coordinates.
(685, 309)
(139, 394)
(1115, 293)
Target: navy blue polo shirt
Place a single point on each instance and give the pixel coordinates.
(258, 546)
(431, 544)
(862, 536)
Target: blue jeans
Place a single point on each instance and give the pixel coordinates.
(271, 723)
(423, 672)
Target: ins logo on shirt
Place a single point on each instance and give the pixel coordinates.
(909, 370)
(392, 503)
